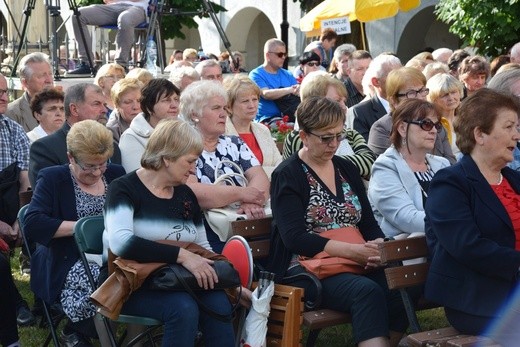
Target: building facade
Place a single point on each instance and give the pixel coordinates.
(247, 24)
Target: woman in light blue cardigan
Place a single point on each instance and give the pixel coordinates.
(401, 175)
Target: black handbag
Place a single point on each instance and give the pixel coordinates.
(9, 193)
(287, 105)
(175, 277)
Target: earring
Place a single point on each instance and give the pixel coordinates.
(196, 120)
(403, 141)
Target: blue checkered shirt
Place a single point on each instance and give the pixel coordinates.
(14, 144)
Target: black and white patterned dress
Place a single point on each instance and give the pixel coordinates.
(75, 296)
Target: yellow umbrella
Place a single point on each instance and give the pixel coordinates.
(361, 10)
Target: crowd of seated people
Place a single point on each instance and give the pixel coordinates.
(425, 149)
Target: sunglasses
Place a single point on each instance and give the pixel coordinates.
(327, 139)
(312, 64)
(279, 54)
(425, 124)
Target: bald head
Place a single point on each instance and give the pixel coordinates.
(515, 53)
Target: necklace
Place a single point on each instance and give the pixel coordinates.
(500, 178)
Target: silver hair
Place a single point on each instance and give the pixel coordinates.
(343, 49)
(383, 64)
(177, 74)
(196, 96)
(25, 70)
(206, 63)
(503, 81)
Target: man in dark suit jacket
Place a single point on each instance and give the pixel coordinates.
(82, 101)
(364, 114)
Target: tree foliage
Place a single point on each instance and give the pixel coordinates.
(491, 26)
(172, 25)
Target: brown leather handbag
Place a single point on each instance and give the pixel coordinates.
(322, 265)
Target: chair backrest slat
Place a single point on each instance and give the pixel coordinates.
(257, 233)
(406, 276)
(88, 233)
(399, 250)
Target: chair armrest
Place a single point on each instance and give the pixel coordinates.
(314, 282)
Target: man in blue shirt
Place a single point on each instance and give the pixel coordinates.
(273, 80)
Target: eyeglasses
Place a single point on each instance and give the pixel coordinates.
(425, 124)
(411, 94)
(312, 64)
(91, 168)
(279, 54)
(3, 91)
(327, 139)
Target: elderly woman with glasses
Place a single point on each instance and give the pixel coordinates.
(402, 84)
(63, 195)
(315, 191)
(401, 175)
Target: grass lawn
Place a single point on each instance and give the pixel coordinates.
(331, 337)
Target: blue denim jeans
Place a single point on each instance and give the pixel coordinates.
(182, 317)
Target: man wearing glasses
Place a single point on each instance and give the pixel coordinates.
(274, 82)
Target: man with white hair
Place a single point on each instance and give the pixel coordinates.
(35, 74)
(209, 69)
(515, 53)
(183, 76)
(367, 112)
(442, 54)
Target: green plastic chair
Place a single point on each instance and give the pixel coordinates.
(88, 233)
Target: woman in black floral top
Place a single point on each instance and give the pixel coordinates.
(314, 191)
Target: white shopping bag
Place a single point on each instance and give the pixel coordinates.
(255, 328)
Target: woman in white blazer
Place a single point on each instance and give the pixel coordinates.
(243, 97)
(401, 176)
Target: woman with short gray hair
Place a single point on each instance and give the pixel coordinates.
(204, 105)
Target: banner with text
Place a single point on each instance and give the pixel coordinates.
(340, 25)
